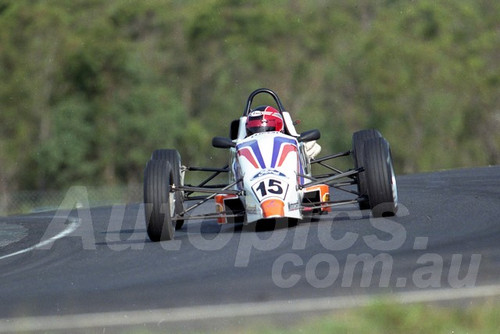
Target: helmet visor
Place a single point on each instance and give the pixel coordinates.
(258, 129)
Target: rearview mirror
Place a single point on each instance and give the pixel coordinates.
(222, 142)
(309, 135)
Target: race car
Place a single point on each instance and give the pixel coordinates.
(270, 176)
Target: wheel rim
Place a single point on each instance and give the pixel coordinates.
(394, 187)
(171, 203)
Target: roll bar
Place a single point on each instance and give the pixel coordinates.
(260, 91)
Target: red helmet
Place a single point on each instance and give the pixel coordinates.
(263, 119)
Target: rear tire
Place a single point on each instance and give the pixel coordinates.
(380, 178)
(158, 200)
(358, 142)
(174, 158)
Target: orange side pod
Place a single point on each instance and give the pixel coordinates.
(324, 195)
(220, 207)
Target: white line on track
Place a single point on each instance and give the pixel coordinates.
(162, 316)
(73, 225)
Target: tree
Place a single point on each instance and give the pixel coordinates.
(90, 88)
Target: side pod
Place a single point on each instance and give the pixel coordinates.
(318, 194)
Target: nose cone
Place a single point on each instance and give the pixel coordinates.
(273, 208)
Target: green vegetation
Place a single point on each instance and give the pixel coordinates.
(90, 87)
(383, 317)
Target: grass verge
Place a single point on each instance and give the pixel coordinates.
(381, 317)
(385, 317)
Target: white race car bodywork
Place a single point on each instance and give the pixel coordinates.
(270, 167)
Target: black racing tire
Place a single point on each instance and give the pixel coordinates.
(174, 158)
(158, 203)
(380, 178)
(358, 141)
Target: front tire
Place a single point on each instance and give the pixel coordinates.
(174, 158)
(158, 200)
(358, 143)
(380, 178)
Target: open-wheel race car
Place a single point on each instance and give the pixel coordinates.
(270, 176)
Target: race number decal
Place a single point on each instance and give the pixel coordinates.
(270, 187)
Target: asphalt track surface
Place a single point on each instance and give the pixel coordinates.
(99, 260)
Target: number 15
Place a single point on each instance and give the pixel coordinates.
(273, 186)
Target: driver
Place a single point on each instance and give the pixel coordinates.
(264, 119)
